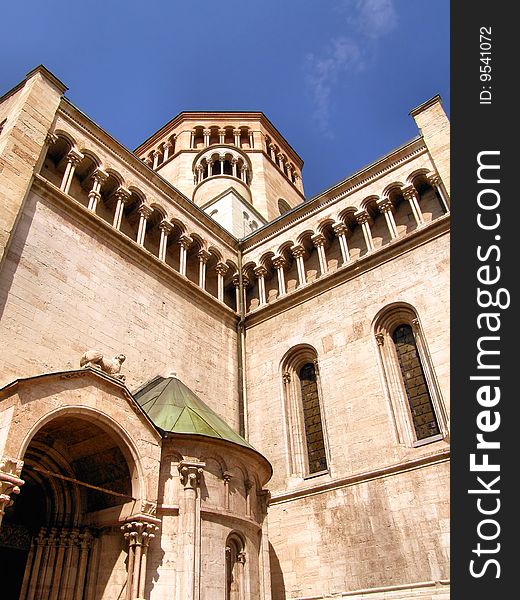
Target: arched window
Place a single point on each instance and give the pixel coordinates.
(235, 560)
(419, 399)
(305, 424)
(418, 410)
(283, 206)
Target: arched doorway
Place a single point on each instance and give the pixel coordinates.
(75, 469)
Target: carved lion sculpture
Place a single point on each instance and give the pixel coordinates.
(96, 360)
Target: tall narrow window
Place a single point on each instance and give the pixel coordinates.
(235, 560)
(306, 430)
(417, 408)
(312, 419)
(421, 407)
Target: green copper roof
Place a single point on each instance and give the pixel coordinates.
(173, 407)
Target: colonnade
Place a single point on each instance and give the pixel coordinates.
(298, 253)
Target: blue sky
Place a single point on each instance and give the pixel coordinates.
(336, 77)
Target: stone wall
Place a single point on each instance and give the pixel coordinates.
(66, 288)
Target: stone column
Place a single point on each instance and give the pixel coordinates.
(207, 133)
(58, 567)
(289, 171)
(73, 159)
(10, 482)
(138, 533)
(209, 162)
(272, 152)
(190, 475)
(167, 148)
(243, 173)
(251, 140)
(234, 162)
(437, 185)
(200, 173)
(156, 157)
(340, 229)
(122, 197)
(299, 252)
(260, 273)
(203, 256)
(387, 208)
(192, 138)
(236, 283)
(221, 269)
(319, 241)
(39, 547)
(145, 212)
(236, 133)
(279, 263)
(265, 562)
(85, 541)
(94, 195)
(165, 228)
(363, 218)
(241, 561)
(184, 243)
(410, 194)
(221, 136)
(226, 476)
(222, 158)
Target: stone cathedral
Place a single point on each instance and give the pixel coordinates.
(211, 386)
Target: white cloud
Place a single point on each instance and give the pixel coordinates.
(369, 20)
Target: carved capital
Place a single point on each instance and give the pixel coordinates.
(185, 241)
(236, 131)
(340, 228)
(147, 160)
(260, 272)
(100, 176)
(123, 195)
(145, 211)
(244, 168)
(362, 217)
(74, 157)
(434, 179)
(222, 131)
(286, 377)
(298, 251)
(203, 256)
(385, 205)
(168, 145)
(279, 262)
(221, 268)
(241, 558)
(190, 473)
(318, 240)
(10, 482)
(139, 533)
(206, 131)
(166, 227)
(410, 193)
(380, 339)
(156, 153)
(226, 476)
(50, 139)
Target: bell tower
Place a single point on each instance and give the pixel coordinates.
(236, 166)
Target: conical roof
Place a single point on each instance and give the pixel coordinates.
(173, 407)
